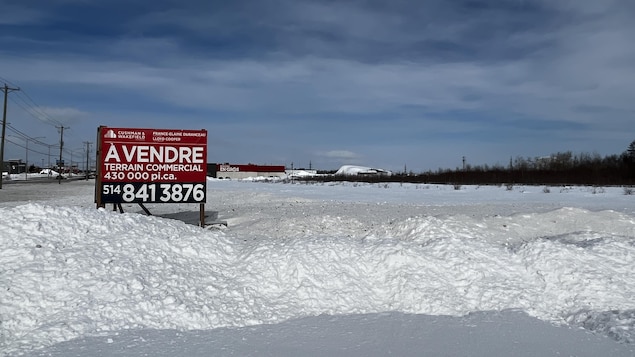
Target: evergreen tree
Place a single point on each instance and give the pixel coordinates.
(630, 152)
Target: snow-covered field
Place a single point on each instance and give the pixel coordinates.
(324, 269)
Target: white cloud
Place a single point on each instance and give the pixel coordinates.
(19, 15)
(64, 112)
(341, 154)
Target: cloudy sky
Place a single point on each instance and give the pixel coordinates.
(327, 82)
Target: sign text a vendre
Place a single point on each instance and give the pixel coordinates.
(151, 166)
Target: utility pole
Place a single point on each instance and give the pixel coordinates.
(59, 177)
(87, 158)
(6, 89)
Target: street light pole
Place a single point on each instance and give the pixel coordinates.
(26, 160)
(49, 158)
(72, 151)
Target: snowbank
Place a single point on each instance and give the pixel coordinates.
(49, 172)
(71, 271)
(352, 170)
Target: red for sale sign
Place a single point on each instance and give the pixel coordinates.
(151, 165)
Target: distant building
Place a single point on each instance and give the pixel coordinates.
(237, 171)
(13, 167)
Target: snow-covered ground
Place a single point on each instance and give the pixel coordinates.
(339, 269)
(44, 174)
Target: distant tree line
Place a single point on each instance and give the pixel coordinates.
(562, 168)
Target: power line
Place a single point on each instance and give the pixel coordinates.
(33, 107)
(29, 100)
(24, 101)
(8, 81)
(36, 113)
(24, 147)
(42, 116)
(25, 136)
(40, 110)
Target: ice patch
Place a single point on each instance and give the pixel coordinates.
(617, 324)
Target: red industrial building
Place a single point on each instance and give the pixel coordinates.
(237, 171)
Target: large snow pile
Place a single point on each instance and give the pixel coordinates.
(68, 271)
(301, 173)
(49, 172)
(352, 170)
